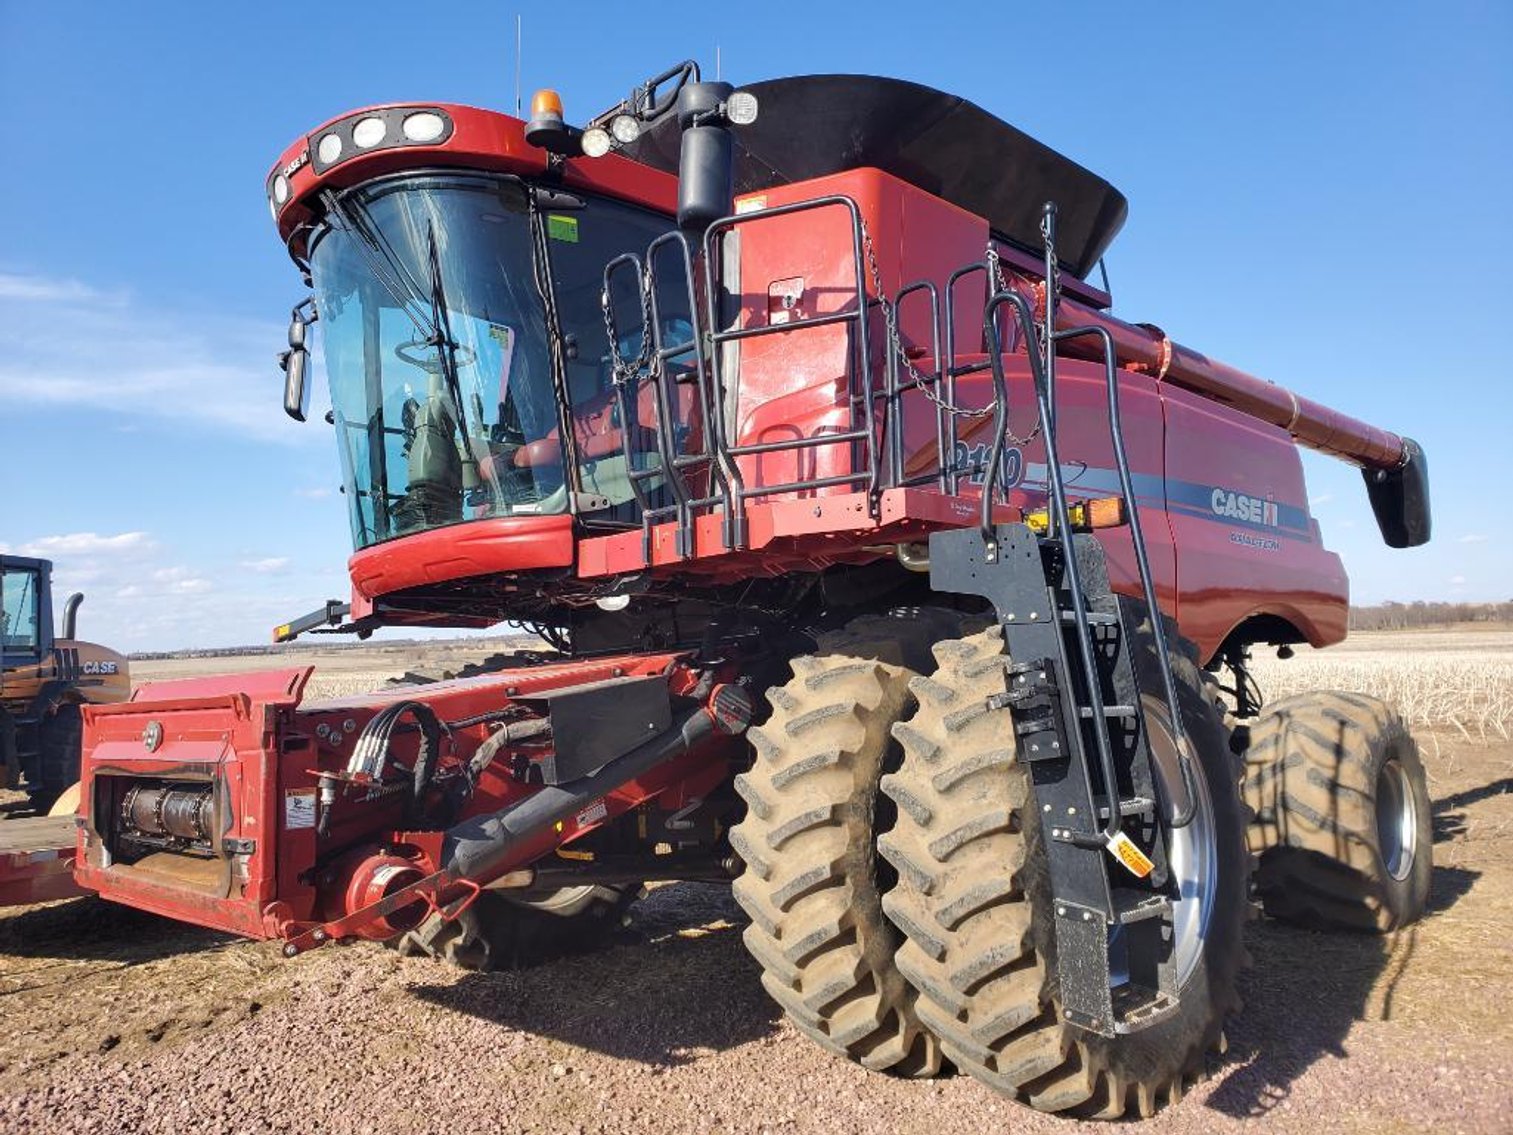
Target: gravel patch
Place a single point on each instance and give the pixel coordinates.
(119, 1021)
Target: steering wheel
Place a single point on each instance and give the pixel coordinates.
(430, 362)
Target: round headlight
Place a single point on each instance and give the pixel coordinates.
(280, 189)
(423, 126)
(625, 129)
(328, 149)
(272, 209)
(595, 142)
(741, 108)
(368, 133)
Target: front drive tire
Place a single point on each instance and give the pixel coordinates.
(1343, 822)
(813, 882)
(973, 898)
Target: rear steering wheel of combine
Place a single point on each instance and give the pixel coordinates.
(1343, 825)
(813, 883)
(973, 897)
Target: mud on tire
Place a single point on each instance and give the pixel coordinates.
(813, 883)
(973, 898)
(1342, 825)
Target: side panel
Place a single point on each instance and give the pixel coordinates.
(1087, 457)
(1246, 542)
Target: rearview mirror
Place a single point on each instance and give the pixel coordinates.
(296, 392)
(296, 361)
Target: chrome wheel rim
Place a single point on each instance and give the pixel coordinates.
(1396, 819)
(1192, 852)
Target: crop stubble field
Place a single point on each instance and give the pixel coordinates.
(120, 1021)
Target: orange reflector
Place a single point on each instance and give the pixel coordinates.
(1106, 512)
(546, 102)
(1103, 512)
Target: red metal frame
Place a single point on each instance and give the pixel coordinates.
(253, 737)
(37, 860)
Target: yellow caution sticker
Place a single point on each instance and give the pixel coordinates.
(1124, 849)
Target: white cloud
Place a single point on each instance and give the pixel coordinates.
(315, 494)
(63, 343)
(1457, 580)
(1320, 498)
(39, 289)
(144, 592)
(270, 565)
(1472, 538)
(86, 544)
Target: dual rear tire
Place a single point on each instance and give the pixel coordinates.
(940, 947)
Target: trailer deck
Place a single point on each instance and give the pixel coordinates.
(37, 860)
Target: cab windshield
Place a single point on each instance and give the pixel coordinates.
(451, 383)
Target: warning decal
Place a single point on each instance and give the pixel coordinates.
(1124, 849)
(299, 808)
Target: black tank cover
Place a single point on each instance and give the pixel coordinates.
(815, 125)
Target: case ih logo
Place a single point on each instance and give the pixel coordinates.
(1238, 506)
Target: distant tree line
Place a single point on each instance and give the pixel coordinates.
(1403, 616)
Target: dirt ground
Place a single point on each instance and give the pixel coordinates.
(121, 1021)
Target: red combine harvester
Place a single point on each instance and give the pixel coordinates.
(791, 418)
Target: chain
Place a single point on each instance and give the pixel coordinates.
(623, 371)
(925, 383)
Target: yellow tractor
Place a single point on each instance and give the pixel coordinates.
(44, 679)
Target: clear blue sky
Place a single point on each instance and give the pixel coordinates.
(1319, 193)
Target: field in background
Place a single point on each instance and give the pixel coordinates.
(347, 669)
(1454, 679)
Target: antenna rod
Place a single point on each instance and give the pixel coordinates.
(517, 64)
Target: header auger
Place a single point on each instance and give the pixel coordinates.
(886, 571)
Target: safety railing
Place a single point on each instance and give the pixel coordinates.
(657, 365)
(862, 432)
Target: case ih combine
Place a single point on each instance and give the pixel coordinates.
(792, 419)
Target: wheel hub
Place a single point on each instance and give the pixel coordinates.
(1191, 851)
(1396, 819)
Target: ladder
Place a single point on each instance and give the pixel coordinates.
(1077, 702)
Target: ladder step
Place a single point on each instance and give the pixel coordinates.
(1137, 1008)
(1130, 905)
(1110, 711)
(1094, 618)
(1130, 806)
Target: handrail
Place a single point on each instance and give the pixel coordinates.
(865, 431)
(1062, 526)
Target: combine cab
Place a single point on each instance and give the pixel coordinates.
(889, 574)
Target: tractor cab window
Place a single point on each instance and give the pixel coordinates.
(19, 607)
(436, 293)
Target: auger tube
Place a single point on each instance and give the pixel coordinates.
(1146, 348)
(479, 849)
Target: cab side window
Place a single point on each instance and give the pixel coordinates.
(18, 610)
